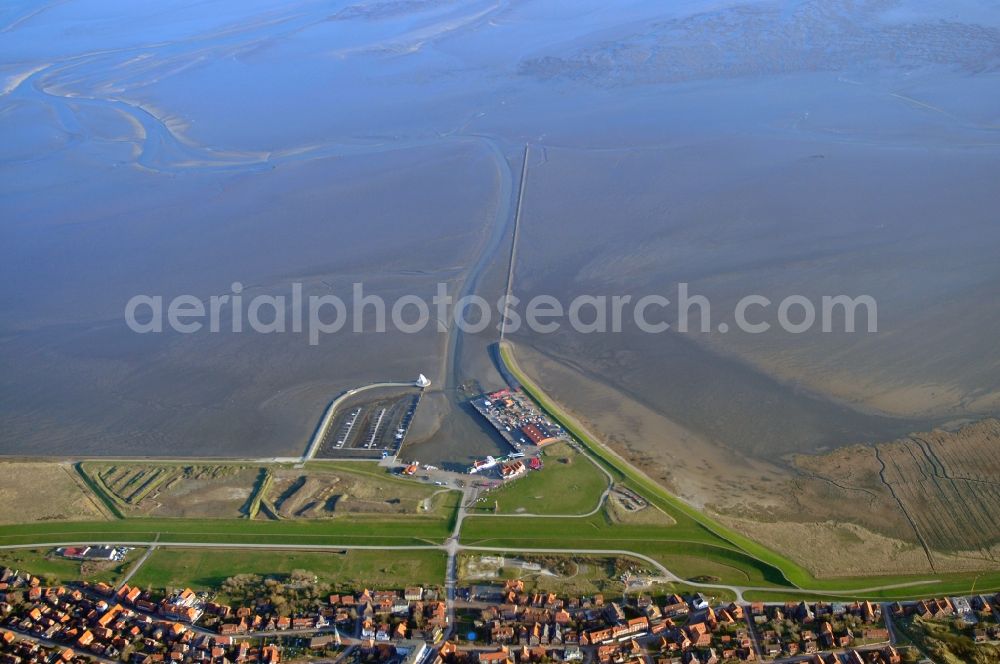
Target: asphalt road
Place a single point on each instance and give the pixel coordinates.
(452, 547)
(135, 568)
(600, 501)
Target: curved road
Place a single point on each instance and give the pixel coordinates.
(600, 501)
(161, 149)
(452, 547)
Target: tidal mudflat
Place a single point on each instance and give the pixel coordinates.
(807, 147)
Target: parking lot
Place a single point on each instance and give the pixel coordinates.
(370, 430)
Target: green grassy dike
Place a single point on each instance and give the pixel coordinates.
(694, 547)
(759, 561)
(362, 529)
(697, 526)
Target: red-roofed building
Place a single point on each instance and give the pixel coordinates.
(537, 436)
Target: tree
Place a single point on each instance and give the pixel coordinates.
(279, 604)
